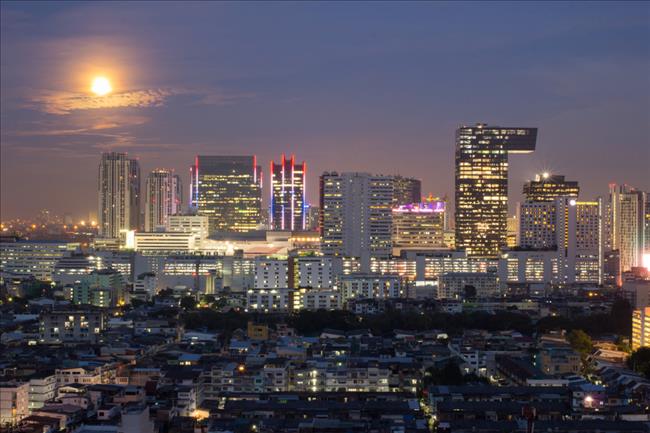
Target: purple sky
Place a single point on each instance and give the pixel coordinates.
(376, 87)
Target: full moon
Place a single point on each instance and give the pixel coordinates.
(101, 86)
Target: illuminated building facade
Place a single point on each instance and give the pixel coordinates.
(36, 259)
(482, 185)
(288, 208)
(513, 231)
(547, 187)
(119, 194)
(371, 286)
(356, 214)
(406, 190)
(640, 328)
(163, 198)
(579, 240)
(228, 190)
(197, 224)
(626, 225)
(573, 230)
(419, 225)
(537, 225)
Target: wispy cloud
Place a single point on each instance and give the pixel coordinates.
(67, 102)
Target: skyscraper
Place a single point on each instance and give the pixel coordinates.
(356, 214)
(406, 191)
(119, 194)
(163, 198)
(482, 184)
(547, 187)
(227, 189)
(288, 207)
(626, 225)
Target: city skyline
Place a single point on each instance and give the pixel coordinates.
(379, 87)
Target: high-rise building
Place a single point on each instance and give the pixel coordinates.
(570, 231)
(406, 190)
(227, 189)
(356, 214)
(419, 226)
(537, 224)
(163, 198)
(547, 187)
(626, 224)
(482, 184)
(647, 232)
(288, 207)
(119, 194)
(578, 226)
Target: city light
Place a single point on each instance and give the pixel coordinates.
(376, 305)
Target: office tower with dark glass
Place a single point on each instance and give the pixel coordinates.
(288, 208)
(228, 190)
(119, 194)
(406, 191)
(548, 187)
(482, 184)
(356, 214)
(163, 198)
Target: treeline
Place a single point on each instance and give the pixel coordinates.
(312, 323)
(617, 321)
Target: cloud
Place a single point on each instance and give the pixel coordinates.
(67, 102)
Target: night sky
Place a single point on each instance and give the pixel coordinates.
(376, 87)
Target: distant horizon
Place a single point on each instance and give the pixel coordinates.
(382, 94)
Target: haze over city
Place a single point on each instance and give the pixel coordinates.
(342, 86)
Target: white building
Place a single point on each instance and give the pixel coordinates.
(41, 390)
(314, 271)
(529, 267)
(32, 258)
(271, 273)
(69, 269)
(269, 300)
(163, 198)
(166, 242)
(197, 224)
(145, 286)
(573, 230)
(14, 402)
(317, 299)
(81, 375)
(356, 214)
(452, 285)
(371, 286)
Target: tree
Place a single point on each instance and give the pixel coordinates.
(639, 361)
(188, 302)
(470, 292)
(580, 341)
(621, 316)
